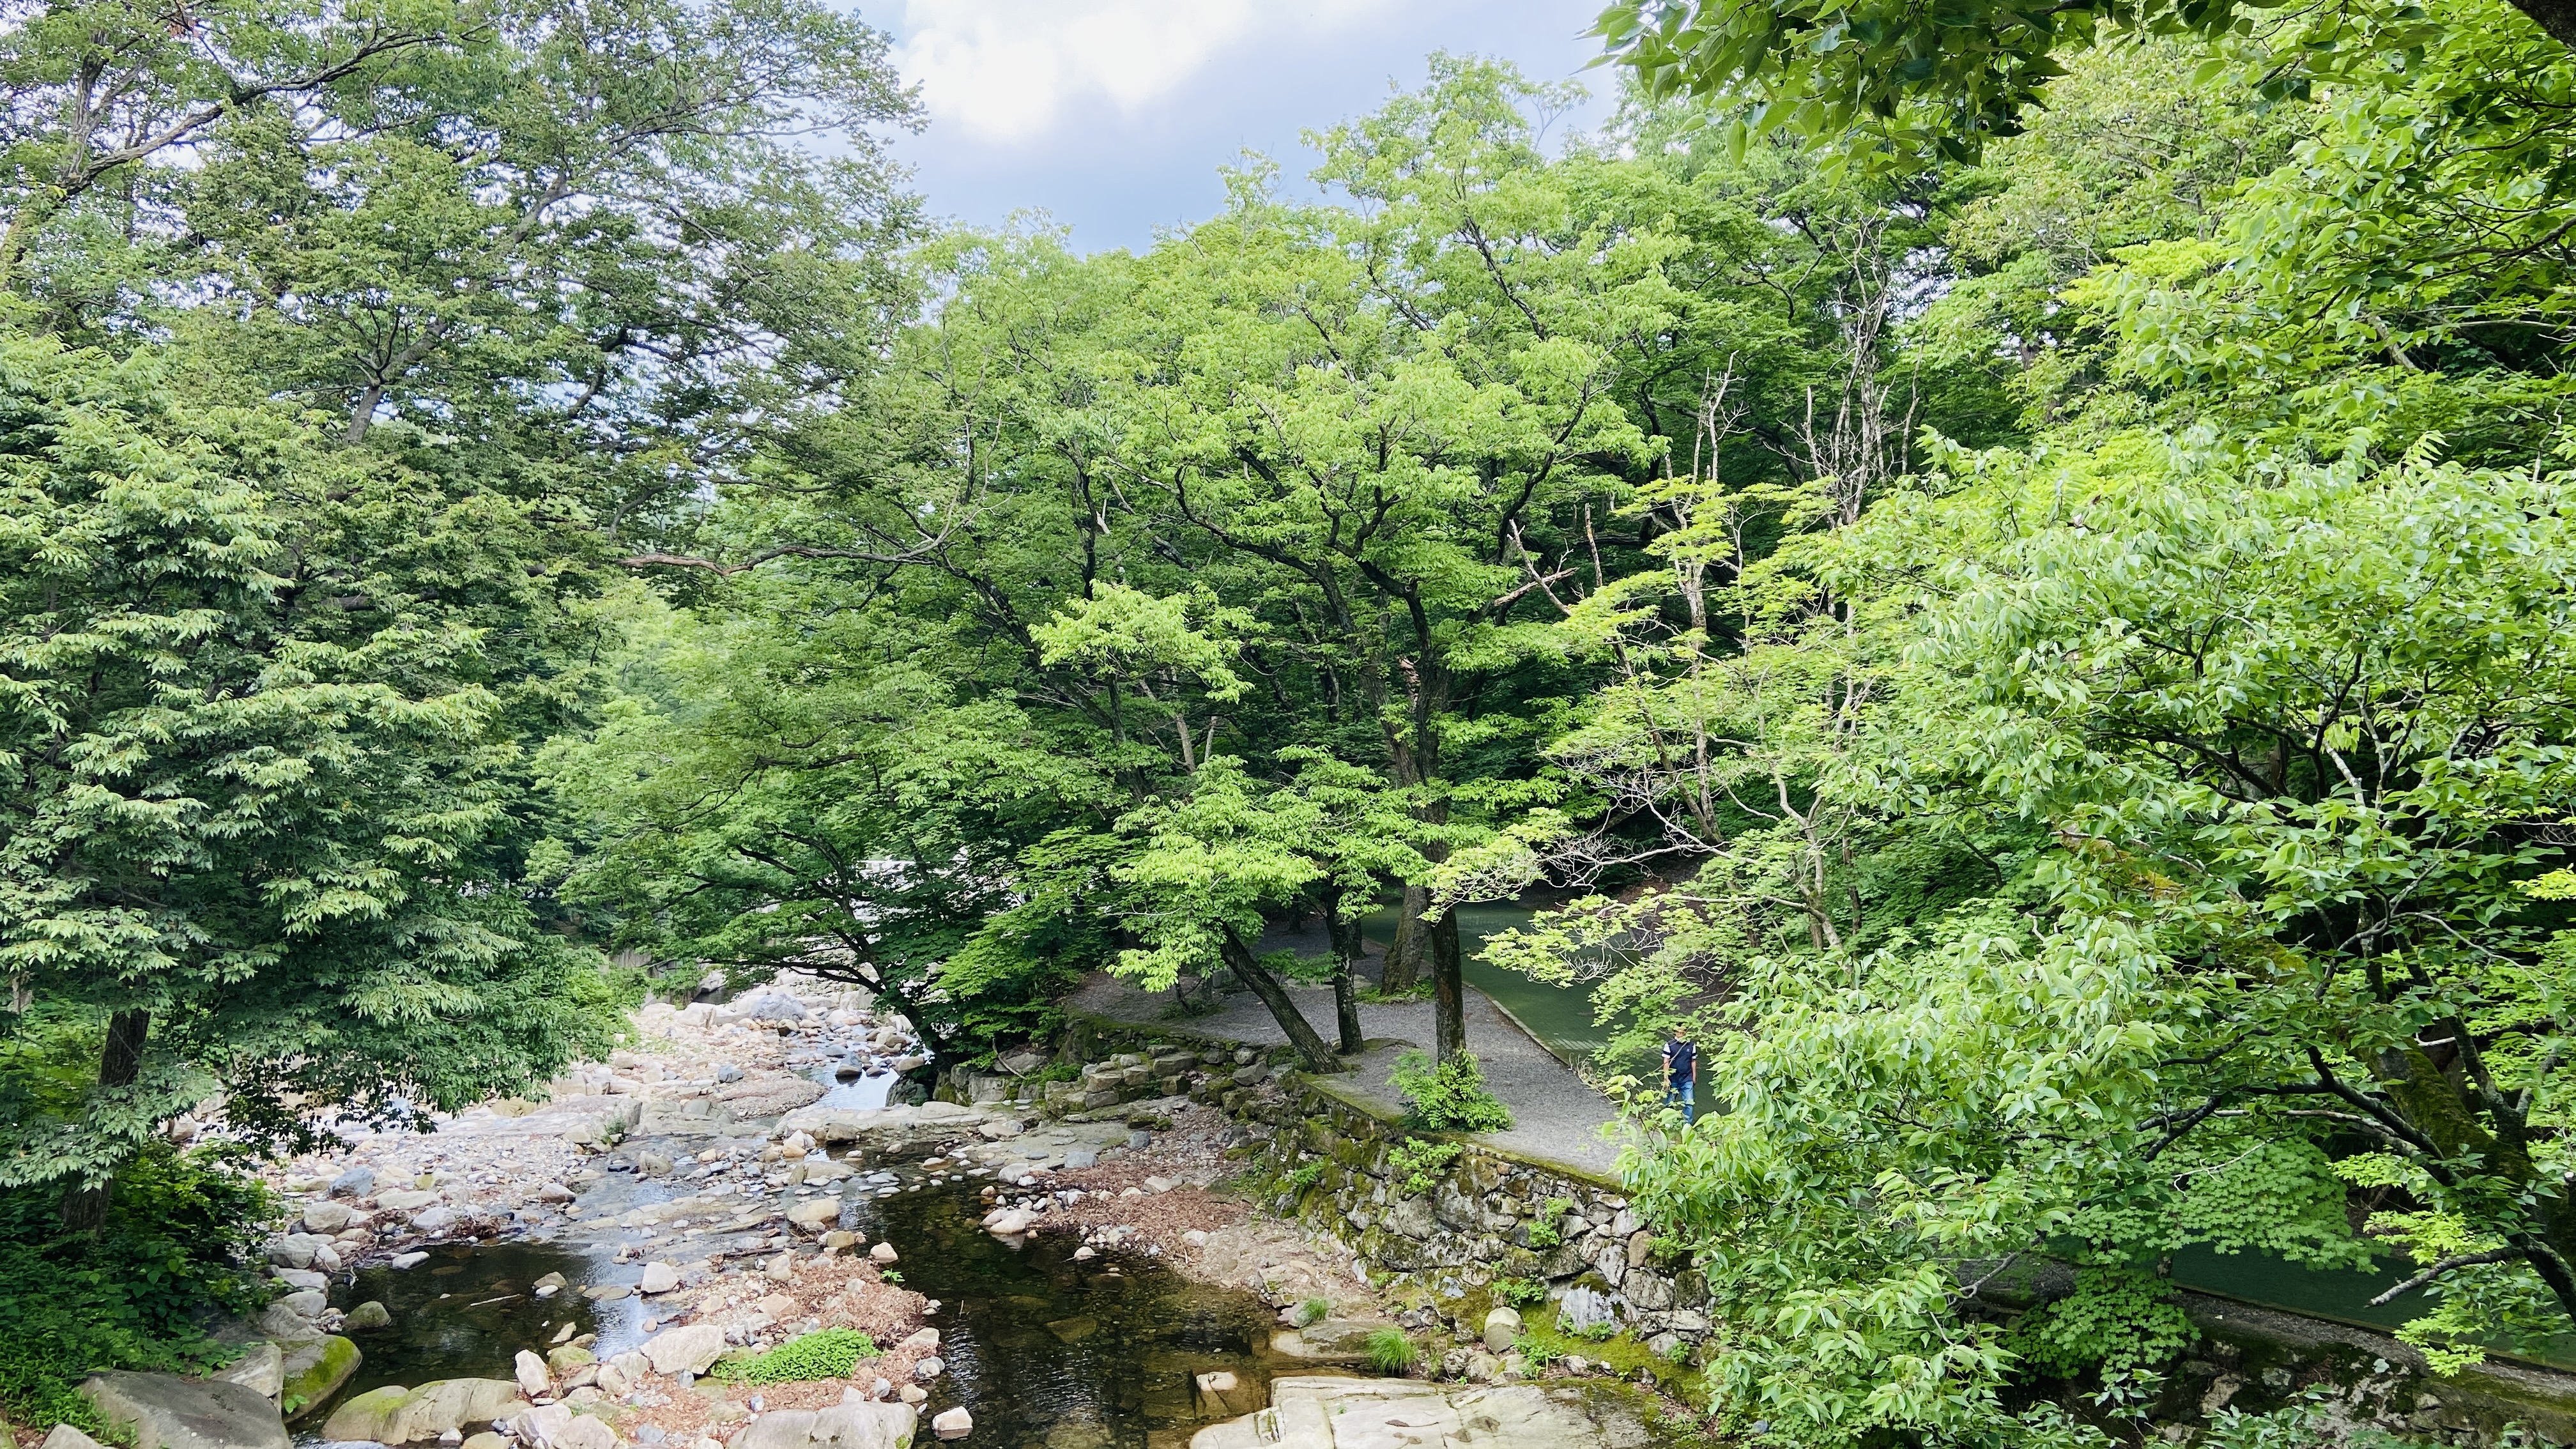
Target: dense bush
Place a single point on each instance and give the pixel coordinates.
(135, 1294)
(1450, 1097)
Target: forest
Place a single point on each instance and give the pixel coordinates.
(2010, 569)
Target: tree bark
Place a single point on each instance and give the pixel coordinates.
(1404, 959)
(120, 1062)
(1345, 937)
(1301, 1035)
(1448, 987)
(2557, 17)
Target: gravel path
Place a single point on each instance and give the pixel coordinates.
(1554, 1114)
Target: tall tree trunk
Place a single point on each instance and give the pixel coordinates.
(1448, 987)
(1345, 936)
(1404, 959)
(119, 1063)
(1301, 1035)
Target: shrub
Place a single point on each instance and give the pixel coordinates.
(1543, 1230)
(1450, 1097)
(1520, 1292)
(1537, 1353)
(828, 1354)
(1390, 1352)
(175, 1248)
(1415, 1165)
(1315, 1310)
(1306, 1176)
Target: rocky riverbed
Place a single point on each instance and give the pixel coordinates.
(565, 1273)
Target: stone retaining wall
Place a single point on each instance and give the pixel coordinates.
(1339, 1163)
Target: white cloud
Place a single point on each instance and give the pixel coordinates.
(1007, 70)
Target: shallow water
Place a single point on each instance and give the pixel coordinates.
(851, 1088)
(1045, 1352)
(463, 1313)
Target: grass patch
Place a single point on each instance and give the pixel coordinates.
(828, 1354)
(1390, 1352)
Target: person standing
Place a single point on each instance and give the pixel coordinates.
(1681, 1073)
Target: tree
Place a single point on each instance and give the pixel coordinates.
(259, 784)
(801, 787)
(1903, 84)
(1199, 873)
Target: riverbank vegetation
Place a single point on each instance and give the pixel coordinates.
(2038, 629)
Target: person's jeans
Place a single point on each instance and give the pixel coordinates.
(1681, 1092)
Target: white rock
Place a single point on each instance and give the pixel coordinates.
(406, 1260)
(953, 1423)
(530, 1371)
(685, 1350)
(658, 1278)
(882, 1253)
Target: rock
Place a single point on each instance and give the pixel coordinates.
(166, 1412)
(866, 1426)
(356, 1182)
(1078, 1158)
(1502, 1330)
(913, 1394)
(556, 1426)
(407, 1200)
(658, 1277)
(261, 1369)
(1322, 1413)
(728, 1073)
(306, 1302)
(569, 1358)
(923, 1338)
(295, 1250)
(301, 1278)
(396, 1415)
(928, 1369)
(1010, 1223)
(953, 1423)
(776, 1006)
(553, 1192)
(368, 1316)
(435, 1220)
(1585, 1308)
(530, 1371)
(814, 1212)
(326, 1217)
(315, 1369)
(64, 1436)
(406, 1260)
(999, 1129)
(882, 1254)
(685, 1350)
(485, 1440)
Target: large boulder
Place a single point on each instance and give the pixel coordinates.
(166, 1412)
(1337, 1413)
(849, 1426)
(261, 1369)
(313, 1371)
(397, 1415)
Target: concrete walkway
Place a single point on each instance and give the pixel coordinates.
(1554, 1114)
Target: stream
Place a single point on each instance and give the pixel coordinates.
(1044, 1351)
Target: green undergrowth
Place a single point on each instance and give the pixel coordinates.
(1543, 1342)
(826, 1354)
(173, 1251)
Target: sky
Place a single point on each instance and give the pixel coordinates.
(1113, 116)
